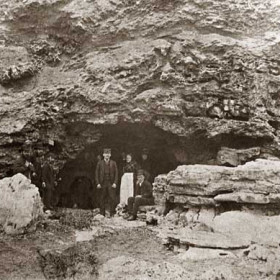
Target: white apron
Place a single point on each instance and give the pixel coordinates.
(126, 189)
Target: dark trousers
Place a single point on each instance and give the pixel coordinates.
(47, 197)
(107, 191)
(133, 204)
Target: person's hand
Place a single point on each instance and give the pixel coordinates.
(139, 196)
(27, 163)
(43, 184)
(114, 186)
(99, 186)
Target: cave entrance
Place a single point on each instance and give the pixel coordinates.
(78, 188)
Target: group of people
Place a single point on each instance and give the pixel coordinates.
(40, 171)
(128, 183)
(135, 188)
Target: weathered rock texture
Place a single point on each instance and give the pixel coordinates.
(20, 204)
(233, 157)
(204, 200)
(256, 182)
(206, 71)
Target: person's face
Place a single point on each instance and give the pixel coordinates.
(107, 156)
(144, 156)
(128, 158)
(26, 154)
(140, 178)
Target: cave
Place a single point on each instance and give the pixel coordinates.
(77, 183)
(77, 187)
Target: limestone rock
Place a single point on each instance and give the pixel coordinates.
(198, 254)
(20, 204)
(248, 226)
(155, 63)
(234, 157)
(203, 239)
(243, 197)
(256, 182)
(128, 268)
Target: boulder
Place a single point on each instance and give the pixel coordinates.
(20, 204)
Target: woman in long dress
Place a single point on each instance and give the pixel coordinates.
(128, 179)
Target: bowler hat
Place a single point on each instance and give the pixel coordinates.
(140, 172)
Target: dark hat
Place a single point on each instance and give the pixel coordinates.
(145, 151)
(140, 172)
(106, 151)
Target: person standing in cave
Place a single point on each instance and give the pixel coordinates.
(128, 181)
(36, 177)
(145, 164)
(144, 196)
(23, 162)
(106, 177)
(48, 181)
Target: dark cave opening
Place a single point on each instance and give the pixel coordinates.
(77, 186)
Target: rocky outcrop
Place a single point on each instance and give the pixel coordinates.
(255, 182)
(204, 71)
(20, 204)
(234, 157)
(198, 230)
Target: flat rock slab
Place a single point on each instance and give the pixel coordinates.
(197, 254)
(256, 182)
(203, 239)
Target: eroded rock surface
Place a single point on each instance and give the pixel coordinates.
(255, 182)
(205, 71)
(233, 157)
(20, 204)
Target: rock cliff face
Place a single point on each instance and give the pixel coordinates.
(205, 73)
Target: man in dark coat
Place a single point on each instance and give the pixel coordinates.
(36, 177)
(106, 176)
(144, 196)
(48, 181)
(23, 164)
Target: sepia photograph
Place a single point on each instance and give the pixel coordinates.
(139, 139)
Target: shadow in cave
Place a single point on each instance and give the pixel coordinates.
(77, 187)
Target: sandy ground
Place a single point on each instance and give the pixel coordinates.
(21, 256)
(110, 249)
